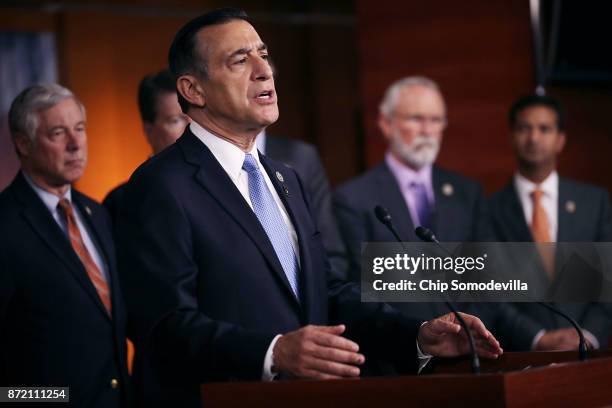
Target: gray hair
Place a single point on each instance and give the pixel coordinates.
(389, 101)
(23, 114)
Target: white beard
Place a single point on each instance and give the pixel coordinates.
(422, 151)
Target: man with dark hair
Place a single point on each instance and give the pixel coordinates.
(539, 206)
(162, 122)
(225, 271)
(62, 318)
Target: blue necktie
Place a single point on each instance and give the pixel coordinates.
(271, 220)
(421, 203)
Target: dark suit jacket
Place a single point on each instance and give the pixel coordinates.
(590, 221)
(205, 291)
(458, 217)
(112, 202)
(304, 159)
(55, 330)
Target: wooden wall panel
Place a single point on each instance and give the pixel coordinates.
(479, 52)
(104, 57)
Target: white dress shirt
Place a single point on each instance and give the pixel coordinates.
(51, 201)
(549, 200)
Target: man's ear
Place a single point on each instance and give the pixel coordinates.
(146, 128)
(561, 142)
(384, 126)
(188, 86)
(23, 145)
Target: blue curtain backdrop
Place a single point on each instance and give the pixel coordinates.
(25, 59)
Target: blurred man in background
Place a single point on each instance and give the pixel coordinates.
(162, 122)
(539, 206)
(408, 184)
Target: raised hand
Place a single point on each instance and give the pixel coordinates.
(444, 337)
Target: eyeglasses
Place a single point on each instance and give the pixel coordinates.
(436, 122)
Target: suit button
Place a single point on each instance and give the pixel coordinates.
(114, 383)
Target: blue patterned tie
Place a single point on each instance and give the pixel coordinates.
(271, 220)
(421, 203)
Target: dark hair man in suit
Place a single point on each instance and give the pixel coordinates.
(540, 206)
(415, 191)
(162, 122)
(61, 312)
(226, 277)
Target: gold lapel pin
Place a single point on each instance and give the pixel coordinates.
(280, 176)
(447, 189)
(570, 206)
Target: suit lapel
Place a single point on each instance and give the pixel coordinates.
(514, 217)
(444, 210)
(43, 224)
(103, 242)
(392, 199)
(565, 218)
(215, 180)
(290, 201)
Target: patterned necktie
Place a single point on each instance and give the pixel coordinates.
(76, 240)
(540, 229)
(271, 220)
(421, 203)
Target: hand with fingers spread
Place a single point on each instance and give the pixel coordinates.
(444, 337)
(317, 352)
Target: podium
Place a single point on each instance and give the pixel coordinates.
(531, 379)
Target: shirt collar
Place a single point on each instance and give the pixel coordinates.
(49, 199)
(406, 175)
(550, 185)
(229, 156)
(261, 141)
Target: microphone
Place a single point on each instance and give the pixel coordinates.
(427, 235)
(385, 218)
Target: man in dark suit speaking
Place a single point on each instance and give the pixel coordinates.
(62, 318)
(225, 272)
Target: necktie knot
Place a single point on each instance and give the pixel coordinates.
(250, 164)
(536, 195)
(64, 204)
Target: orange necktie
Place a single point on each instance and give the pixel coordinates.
(92, 269)
(540, 226)
(540, 229)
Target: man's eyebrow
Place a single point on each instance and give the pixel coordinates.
(243, 51)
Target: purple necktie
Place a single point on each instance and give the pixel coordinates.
(421, 203)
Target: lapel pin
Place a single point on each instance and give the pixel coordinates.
(447, 189)
(88, 210)
(280, 176)
(570, 206)
(285, 189)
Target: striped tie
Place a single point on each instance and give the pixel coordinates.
(94, 273)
